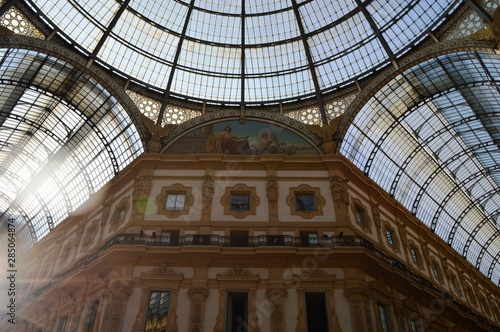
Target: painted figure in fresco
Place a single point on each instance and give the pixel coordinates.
(269, 143)
(226, 142)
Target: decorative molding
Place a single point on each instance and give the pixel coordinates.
(140, 193)
(91, 234)
(274, 118)
(176, 188)
(163, 271)
(394, 246)
(319, 201)
(118, 216)
(313, 275)
(420, 260)
(492, 31)
(272, 191)
(240, 189)
(237, 273)
(366, 224)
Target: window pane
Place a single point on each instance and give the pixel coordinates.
(360, 217)
(156, 319)
(383, 318)
(175, 201)
(388, 233)
(305, 202)
(240, 202)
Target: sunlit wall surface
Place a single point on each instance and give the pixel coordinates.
(251, 51)
(430, 138)
(62, 137)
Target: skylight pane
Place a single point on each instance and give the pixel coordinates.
(170, 14)
(85, 23)
(227, 29)
(271, 28)
(210, 59)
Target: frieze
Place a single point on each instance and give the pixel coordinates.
(237, 273)
(220, 115)
(314, 274)
(163, 271)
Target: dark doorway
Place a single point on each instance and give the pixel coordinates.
(317, 318)
(237, 309)
(239, 238)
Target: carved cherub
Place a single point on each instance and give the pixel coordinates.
(157, 133)
(492, 31)
(325, 134)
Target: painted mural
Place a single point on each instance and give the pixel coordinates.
(249, 138)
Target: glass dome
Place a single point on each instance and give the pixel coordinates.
(244, 52)
(441, 112)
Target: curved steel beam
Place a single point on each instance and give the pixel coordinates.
(405, 63)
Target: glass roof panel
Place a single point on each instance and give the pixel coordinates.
(265, 6)
(169, 14)
(400, 23)
(438, 153)
(57, 153)
(227, 7)
(318, 14)
(271, 28)
(143, 43)
(226, 31)
(85, 21)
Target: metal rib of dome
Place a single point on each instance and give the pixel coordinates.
(63, 136)
(248, 51)
(430, 138)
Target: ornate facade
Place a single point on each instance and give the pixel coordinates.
(366, 257)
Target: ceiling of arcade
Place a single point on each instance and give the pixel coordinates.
(75, 111)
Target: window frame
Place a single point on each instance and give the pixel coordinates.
(246, 308)
(240, 202)
(389, 235)
(174, 189)
(358, 208)
(148, 307)
(90, 320)
(384, 316)
(120, 213)
(305, 194)
(305, 189)
(63, 321)
(240, 189)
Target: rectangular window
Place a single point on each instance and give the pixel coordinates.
(435, 269)
(384, 320)
(240, 202)
(237, 312)
(156, 319)
(305, 202)
(89, 325)
(175, 202)
(390, 236)
(121, 214)
(414, 325)
(360, 214)
(316, 312)
(62, 324)
(414, 254)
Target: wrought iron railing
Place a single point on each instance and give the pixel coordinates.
(229, 241)
(265, 240)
